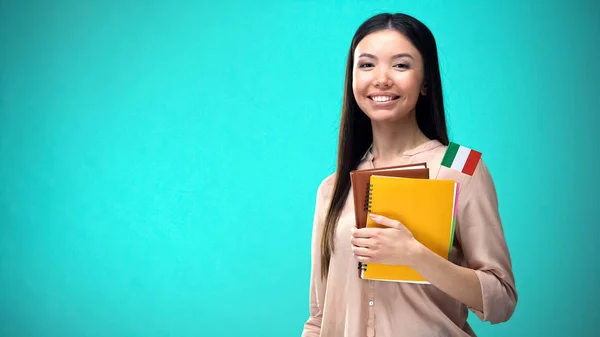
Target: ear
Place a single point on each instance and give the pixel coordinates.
(424, 89)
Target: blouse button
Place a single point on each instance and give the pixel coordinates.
(371, 303)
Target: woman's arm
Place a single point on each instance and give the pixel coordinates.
(486, 285)
(396, 245)
(312, 326)
(459, 282)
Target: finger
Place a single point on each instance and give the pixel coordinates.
(380, 219)
(366, 232)
(361, 252)
(360, 242)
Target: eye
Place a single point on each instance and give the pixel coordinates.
(402, 65)
(365, 65)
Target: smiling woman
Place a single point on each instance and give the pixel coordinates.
(393, 114)
(386, 85)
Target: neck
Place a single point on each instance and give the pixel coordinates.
(391, 140)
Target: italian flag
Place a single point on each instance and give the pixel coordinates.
(461, 158)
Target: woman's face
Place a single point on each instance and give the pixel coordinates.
(387, 76)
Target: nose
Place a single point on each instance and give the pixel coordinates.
(382, 80)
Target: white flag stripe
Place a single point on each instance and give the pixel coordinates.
(461, 158)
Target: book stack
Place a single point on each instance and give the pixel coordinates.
(426, 207)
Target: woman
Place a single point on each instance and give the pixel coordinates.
(393, 114)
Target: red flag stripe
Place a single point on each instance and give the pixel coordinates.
(471, 162)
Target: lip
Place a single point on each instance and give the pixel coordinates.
(386, 103)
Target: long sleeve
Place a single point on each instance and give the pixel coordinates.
(312, 327)
(481, 236)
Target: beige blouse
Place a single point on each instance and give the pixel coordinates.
(345, 305)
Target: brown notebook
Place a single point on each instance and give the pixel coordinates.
(361, 179)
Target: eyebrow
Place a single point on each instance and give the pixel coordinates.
(393, 57)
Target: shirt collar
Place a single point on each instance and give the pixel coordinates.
(429, 145)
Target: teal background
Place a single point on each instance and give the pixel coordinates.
(159, 160)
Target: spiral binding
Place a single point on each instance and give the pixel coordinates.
(367, 207)
(368, 199)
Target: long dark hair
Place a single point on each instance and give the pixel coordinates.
(356, 135)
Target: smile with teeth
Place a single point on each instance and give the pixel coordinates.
(383, 98)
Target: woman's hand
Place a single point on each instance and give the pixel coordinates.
(393, 245)
(396, 245)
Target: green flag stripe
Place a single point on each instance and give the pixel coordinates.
(450, 154)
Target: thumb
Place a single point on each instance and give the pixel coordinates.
(380, 219)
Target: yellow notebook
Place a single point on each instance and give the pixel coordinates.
(426, 207)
